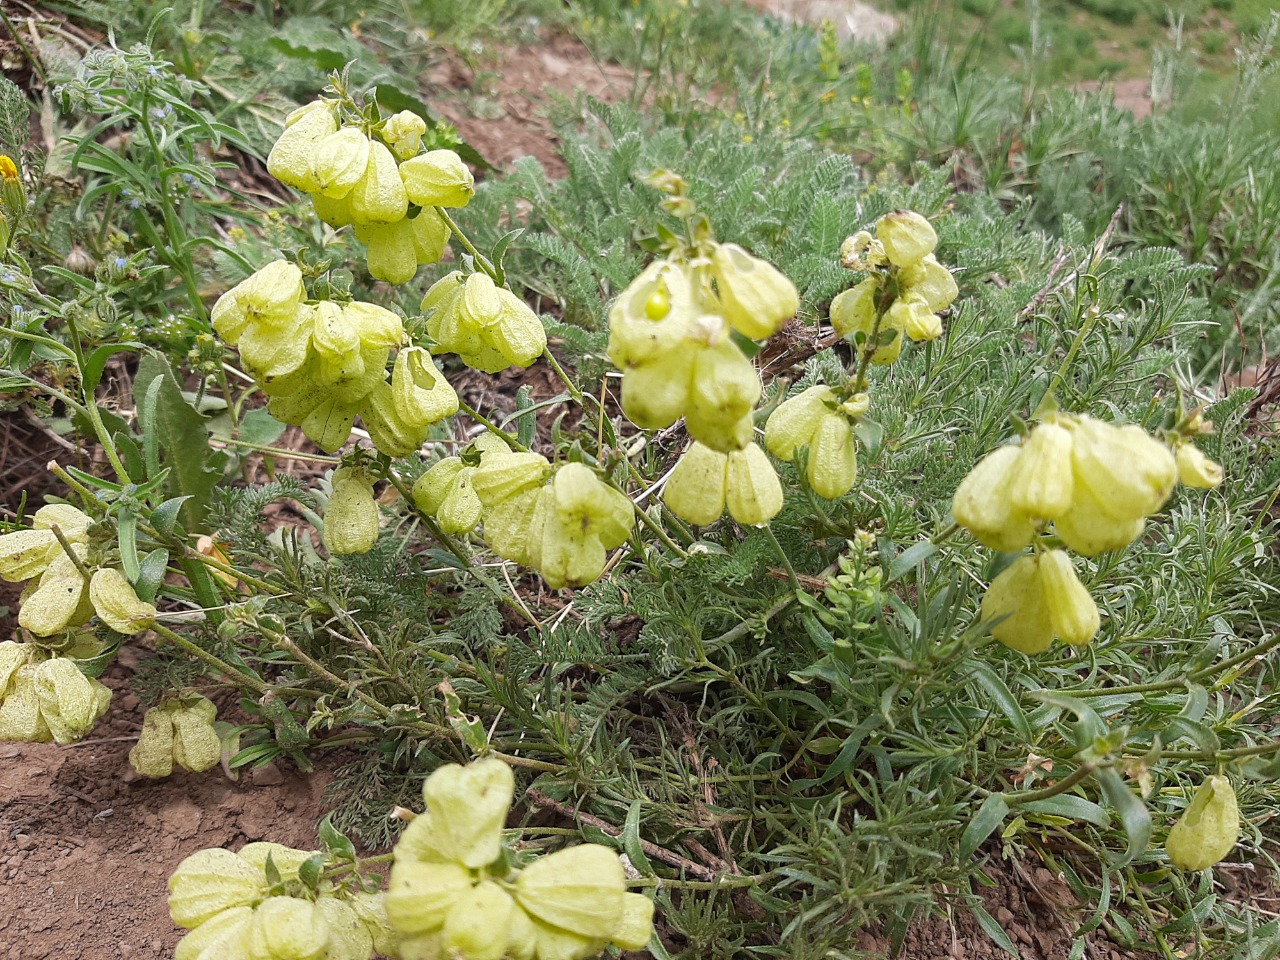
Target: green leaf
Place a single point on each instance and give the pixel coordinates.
(309, 872)
(994, 686)
(335, 841)
(165, 517)
(631, 841)
(97, 362)
(909, 558)
(993, 930)
(1070, 807)
(259, 427)
(127, 534)
(171, 427)
(151, 574)
(989, 816)
(870, 435)
(1134, 815)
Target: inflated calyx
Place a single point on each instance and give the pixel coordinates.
(1039, 597)
(351, 520)
(1209, 828)
(487, 326)
(816, 419)
(453, 894)
(706, 481)
(177, 732)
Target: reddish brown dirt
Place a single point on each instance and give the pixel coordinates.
(86, 847)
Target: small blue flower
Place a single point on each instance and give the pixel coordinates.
(121, 263)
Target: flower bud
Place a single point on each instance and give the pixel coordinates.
(340, 161)
(349, 938)
(468, 807)
(579, 889)
(210, 881)
(755, 297)
(286, 928)
(403, 132)
(438, 178)
(379, 195)
(1194, 468)
(351, 520)
(1128, 473)
(152, 755)
(291, 158)
(696, 490)
(794, 421)
(478, 924)
(753, 493)
(1018, 596)
(117, 604)
(1073, 613)
(833, 457)
(1040, 482)
(907, 237)
(931, 282)
(982, 504)
(420, 895)
(222, 937)
(636, 927)
(1209, 828)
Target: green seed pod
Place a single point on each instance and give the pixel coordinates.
(1088, 530)
(1040, 482)
(833, 457)
(430, 236)
(503, 475)
(907, 237)
(478, 925)
(351, 521)
(438, 178)
(421, 842)
(152, 755)
(912, 316)
(656, 395)
(982, 504)
(271, 352)
(1017, 594)
(652, 316)
(335, 338)
(420, 895)
(372, 911)
(514, 527)
(70, 702)
(390, 432)
(379, 196)
(392, 255)
(349, 938)
(291, 159)
(636, 927)
(518, 335)
(20, 718)
(339, 162)
(931, 282)
(1072, 611)
(26, 553)
(196, 746)
(696, 490)
(461, 509)
(579, 889)
(755, 297)
(403, 132)
(329, 424)
(1209, 828)
(286, 928)
(435, 485)
(522, 935)
(210, 881)
(753, 492)
(13, 656)
(468, 807)
(374, 326)
(117, 604)
(1128, 473)
(223, 936)
(553, 943)
(1194, 468)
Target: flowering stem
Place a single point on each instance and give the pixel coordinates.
(66, 548)
(564, 377)
(481, 260)
(1062, 786)
(242, 680)
(658, 532)
(782, 555)
(492, 427)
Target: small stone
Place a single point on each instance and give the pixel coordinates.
(267, 775)
(25, 841)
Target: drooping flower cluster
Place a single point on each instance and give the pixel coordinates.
(1208, 829)
(563, 528)
(705, 481)
(59, 595)
(486, 325)
(46, 699)
(1096, 483)
(818, 420)
(178, 731)
(445, 491)
(237, 907)
(323, 363)
(453, 892)
(905, 290)
(669, 333)
(376, 179)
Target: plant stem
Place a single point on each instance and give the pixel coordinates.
(656, 529)
(240, 679)
(481, 260)
(71, 554)
(564, 377)
(492, 427)
(782, 555)
(91, 407)
(1062, 786)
